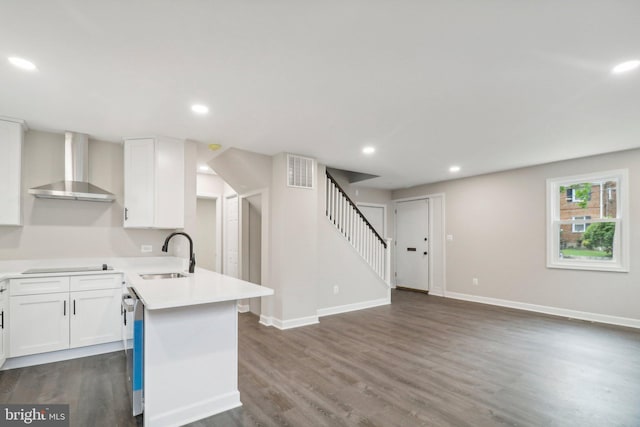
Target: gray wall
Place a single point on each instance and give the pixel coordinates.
(293, 245)
(498, 222)
(73, 229)
(205, 236)
(244, 171)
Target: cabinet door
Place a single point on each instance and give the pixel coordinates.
(4, 325)
(95, 317)
(139, 160)
(169, 189)
(10, 162)
(38, 323)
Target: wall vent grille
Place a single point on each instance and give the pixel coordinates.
(300, 171)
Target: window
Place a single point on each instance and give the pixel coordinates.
(577, 227)
(587, 221)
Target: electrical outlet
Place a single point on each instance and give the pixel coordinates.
(146, 248)
(336, 289)
(450, 237)
(475, 281)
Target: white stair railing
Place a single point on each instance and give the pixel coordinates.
(353, 225)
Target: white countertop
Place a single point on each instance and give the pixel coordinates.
(201, 287)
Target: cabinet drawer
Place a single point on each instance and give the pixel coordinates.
(39, 285)
(95, 281)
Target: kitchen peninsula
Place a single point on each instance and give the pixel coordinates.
(190, 344)
(190, 326)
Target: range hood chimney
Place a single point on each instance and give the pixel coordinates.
(76, 174)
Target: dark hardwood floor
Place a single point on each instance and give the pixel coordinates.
(423, 360)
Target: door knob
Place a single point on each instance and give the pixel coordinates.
(424, 253)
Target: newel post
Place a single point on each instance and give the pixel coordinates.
(387, 262)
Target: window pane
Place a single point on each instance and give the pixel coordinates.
(593, 243)
(588, 199)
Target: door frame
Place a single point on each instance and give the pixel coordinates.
(442, 238)
(384, 214)
(219, 254)
(227, 199)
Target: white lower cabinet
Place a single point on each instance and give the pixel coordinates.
(39, 323)
(45, 322)
(95, 317)
(4, 319)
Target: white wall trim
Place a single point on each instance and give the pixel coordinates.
(243, 308)
(410, 199)
(328, 311)
(555, 311)
(57, 356)
(290, 323)
(266, 320)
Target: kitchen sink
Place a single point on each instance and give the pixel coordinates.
(156, 276)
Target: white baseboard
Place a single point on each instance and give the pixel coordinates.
(562, 312)
(290, 323)
(243, 308)
(196, 411)
(57, 356)
(353, 307)
(266, 320)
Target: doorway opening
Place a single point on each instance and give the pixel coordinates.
(207, 241)
(253, 249)
(252, 245)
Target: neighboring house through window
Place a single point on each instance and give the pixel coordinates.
(587, 221)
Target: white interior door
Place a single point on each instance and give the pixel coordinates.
(412, 244)
(375, 214)
(231, 232)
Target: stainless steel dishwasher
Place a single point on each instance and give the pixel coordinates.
(133, 321)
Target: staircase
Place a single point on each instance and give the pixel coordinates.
(343, 213)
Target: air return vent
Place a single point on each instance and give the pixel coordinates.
(300, 171)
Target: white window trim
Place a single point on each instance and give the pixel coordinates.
(577, 220)
(621, 244)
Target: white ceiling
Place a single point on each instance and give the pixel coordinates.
(488, 85)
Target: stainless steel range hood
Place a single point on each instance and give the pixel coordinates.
(76, 174)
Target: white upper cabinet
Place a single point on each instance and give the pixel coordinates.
(11, 136)
(153, 183)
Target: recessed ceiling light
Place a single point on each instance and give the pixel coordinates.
(214, 147)
(22, 63)
(369, 150)
(200, 109)
(204, 168)
(623, 67)
(454, 169)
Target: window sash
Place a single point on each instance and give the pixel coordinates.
(620, 256)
